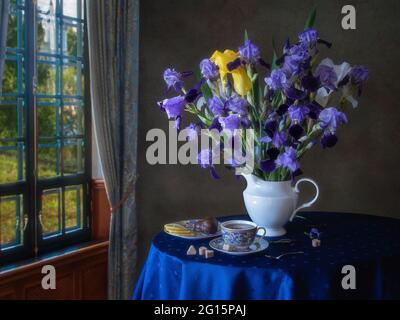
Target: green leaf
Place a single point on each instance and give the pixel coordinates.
(311, 19)
(205, 89)
(246, 35)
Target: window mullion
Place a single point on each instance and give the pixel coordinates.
(31, 134)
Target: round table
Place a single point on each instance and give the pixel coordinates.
(370, 244)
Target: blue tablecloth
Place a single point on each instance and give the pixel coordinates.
(371, 244)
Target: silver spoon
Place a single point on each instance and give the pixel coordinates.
(284, 254)
(282, 241)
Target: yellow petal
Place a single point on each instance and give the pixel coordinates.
(241, 81)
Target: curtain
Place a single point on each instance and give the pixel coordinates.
(113, 33)
(4, 10)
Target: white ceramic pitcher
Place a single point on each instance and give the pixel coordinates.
(272, 204)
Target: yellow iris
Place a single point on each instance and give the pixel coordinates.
(241, 81)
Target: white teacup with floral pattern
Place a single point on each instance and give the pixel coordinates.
(240, 233)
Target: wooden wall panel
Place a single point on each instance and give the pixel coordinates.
(65, 289)
(101, 211)
(91, 287)
(80, 274)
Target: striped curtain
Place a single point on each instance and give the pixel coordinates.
(113, 32)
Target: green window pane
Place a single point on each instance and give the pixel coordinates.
(9, 121)
(73, 204)
(73, 120)
(12, 162)
(47, 121)
(49, 158)
(12, 31)
(11, 221)
(73, 156)
(51, 212)
(47, 75)
(72, 79)
(16, 24)
(10, 77)
(72, 40)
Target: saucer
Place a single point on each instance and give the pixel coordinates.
(258, 245)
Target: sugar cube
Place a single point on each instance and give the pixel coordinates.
(209, 254)
(202, 251)
(191, 251)
(316, 243)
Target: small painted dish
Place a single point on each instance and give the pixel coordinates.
(259, 244)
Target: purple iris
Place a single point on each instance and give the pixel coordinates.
(282, 109)
(268, 165)
(294, 93)
(330, 118)
(300, 51)
(177, 124)
(315, 110)
(216, 106)
(308, 37)
(246, 122)
(297, 113)
(173, 79)
(250, 52)
(326, 75)
(237, 104)
(208, 69)
(279, 139)
(273, 153)
(288, 159)
(315, 233)
(296, 131)
(230, 122)
(270, 127)
(277, 80)
(206, 159)
(296, 59)
(173, 106)
(193, 95)
(265, 139)
(310, 83)
(328, 140)
(215, 125)
(193, 131)
(359, 74)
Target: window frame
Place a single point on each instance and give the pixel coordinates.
(31, 187)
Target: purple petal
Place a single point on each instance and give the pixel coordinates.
(296, 131)
(328, 140)
(268, 165)
(294, 93)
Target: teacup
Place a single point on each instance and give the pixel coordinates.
(240, 233)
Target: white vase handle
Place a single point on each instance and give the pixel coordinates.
(307, 204)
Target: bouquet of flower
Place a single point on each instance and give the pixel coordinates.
(299, 102)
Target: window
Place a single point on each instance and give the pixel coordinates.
(44, 130)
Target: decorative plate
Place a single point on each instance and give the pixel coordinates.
(258, 245)
(180, 229)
